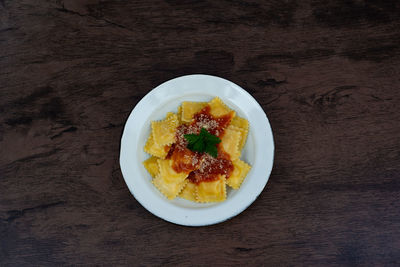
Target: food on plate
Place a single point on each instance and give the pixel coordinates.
(195, 153)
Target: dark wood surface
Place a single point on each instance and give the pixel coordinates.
(325, 72)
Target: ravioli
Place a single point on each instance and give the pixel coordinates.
(179, 171)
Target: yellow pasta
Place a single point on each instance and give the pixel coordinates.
(240, 170)
(180, 114)
(170, 190)
(191, 108)
(151, 166)
(168, 181)
(176, 153)
(218, 108)
(172, 117)
(243, 126)
(230, 142)
(240, 122)
(154, 149)
(189, 191)
(214, 191)
(243, 135)
(168, 173)
(164, 131)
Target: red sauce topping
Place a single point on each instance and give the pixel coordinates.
(201, 166)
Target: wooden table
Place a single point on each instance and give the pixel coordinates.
(325, 72)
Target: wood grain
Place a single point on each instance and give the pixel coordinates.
(325, 72)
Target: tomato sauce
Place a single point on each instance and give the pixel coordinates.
(201, 166)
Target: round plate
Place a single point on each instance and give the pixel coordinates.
(258, 151)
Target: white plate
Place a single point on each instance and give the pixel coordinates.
(258, 151)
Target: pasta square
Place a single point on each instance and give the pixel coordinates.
(230, 142)
(164, 131)
(240, 122)
(218, 108)
(170, 190)
(154, 149)
(240, 170)
(243, 135)
(189, 192)
(214, 191)
(169, 182)
(151, 166)
(191, 108)
(171, 116)
(179, 114)
(167, 172)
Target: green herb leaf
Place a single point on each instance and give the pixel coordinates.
(203, 142)
(212, 150)
(212, 139)
(199, 146)
(192, 138)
